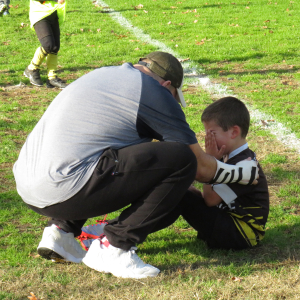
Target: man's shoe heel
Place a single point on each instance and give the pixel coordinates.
(49, 254)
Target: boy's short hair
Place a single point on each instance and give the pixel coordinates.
(228, 112)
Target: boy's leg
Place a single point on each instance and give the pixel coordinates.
(214, 226)
(44, 33)
(33, 70)
(53, 80)
(225, 234)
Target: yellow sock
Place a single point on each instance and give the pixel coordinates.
(38, 58)
(51, 65)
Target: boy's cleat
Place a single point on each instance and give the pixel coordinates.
(34, 76)
(106, 258)
(6, 13)
(2, 8)
(57, 244)
(56, 82)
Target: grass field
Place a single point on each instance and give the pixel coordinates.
(252, 48)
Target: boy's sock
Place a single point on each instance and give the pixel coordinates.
(38, 58)
(51, 65)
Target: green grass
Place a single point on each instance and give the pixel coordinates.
(259, 65)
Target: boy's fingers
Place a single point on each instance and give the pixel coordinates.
(222, 150)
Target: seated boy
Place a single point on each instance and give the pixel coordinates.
(226, 216)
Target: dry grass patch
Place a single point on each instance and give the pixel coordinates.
(69, 281)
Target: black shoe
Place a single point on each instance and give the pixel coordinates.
(34, 76)
(56, 82)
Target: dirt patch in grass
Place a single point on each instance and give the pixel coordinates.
(26, 95)
(5, 183)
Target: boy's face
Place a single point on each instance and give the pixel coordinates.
(222, 137)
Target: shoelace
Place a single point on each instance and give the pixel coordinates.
(87, 236)
(103, 240)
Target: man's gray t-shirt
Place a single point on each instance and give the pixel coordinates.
(110, 107)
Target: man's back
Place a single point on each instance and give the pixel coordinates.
(112, 107)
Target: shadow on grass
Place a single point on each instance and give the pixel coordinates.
(251, 72)
(245, 58)
(280, 246)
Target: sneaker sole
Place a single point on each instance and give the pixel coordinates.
(49, 254)
(117, 273)
(50, 86)
(30, 80)
(45, 251)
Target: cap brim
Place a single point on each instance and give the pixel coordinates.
(179, 97)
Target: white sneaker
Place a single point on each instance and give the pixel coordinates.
(121, 263)
(59, 245)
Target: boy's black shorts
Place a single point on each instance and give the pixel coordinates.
(215, 226)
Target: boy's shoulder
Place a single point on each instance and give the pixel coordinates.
(241, 156)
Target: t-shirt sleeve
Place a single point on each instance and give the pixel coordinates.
(160, 116)
(225, 192)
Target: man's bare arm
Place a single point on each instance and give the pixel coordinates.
(206, 164)
(210, 170)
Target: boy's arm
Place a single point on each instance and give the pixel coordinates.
(211, 198)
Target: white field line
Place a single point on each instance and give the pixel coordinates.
(195, 76)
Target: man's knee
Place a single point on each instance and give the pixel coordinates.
(186, 156)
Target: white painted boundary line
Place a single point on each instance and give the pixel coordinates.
(194, 75)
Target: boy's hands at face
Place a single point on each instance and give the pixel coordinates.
(211, 146)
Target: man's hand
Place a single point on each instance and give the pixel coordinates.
(211, 146)
(244, 172)
(60, 1)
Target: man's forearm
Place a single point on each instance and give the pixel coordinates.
(209, 170)
(206, 164)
